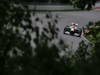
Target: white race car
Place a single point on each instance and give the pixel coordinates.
(74, 32)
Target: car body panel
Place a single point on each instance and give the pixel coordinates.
(68, 31)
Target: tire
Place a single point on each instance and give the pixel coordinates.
(80, 34)
(64, 31)
(71, 33)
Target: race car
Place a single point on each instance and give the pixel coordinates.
(74, 32)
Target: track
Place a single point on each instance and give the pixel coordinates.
(82, 18)
(66, 18)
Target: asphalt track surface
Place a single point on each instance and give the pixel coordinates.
(66, 18)
(54, 7)
(51, 7)
(82, 18)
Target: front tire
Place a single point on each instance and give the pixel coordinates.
(80, 33)
(71, 33)
(64, 31)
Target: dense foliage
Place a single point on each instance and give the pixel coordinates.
(24, 50)
(84, 4)
(94, 36)
(45, 1)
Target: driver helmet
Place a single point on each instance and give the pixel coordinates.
(74, 24)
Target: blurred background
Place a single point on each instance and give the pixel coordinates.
(32, 40)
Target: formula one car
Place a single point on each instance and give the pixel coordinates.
(76, 32)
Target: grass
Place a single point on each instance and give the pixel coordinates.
(68, 10)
